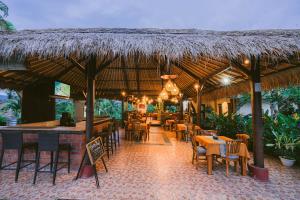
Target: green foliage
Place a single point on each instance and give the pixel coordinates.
(227, 125)
(287, 99)
(171, 108)
(111, 108)
(150, 108)
(4, 24)
(62, 105)
(286, 135)
(2, 120)
(130, 107)
(13, 104)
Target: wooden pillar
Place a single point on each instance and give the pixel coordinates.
(199, 103)
(181, 109)
(122, 116)
(257, 121)
(90, 99)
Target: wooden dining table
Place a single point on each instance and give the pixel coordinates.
(213, 148)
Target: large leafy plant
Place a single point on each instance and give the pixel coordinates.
(13, 104)
(4, 24)
(286, 135)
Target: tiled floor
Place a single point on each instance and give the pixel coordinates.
(158, 169)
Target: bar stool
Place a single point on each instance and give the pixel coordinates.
(49, 142)
(106, 136)
(116, 131)
(14, 141)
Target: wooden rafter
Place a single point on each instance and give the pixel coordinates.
(105, 64)
(125, 75)
(77, 64)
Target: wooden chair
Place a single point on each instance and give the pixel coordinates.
(128, 130)
(232, 154)
(198, 151)
(243, 137)
(137, 131)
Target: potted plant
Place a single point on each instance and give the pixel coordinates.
(285, 146)
(286, 139)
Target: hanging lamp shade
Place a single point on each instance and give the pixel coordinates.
(175, 90)
(169, 86)
(164, 94)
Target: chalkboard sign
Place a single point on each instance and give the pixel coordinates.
(95, 150)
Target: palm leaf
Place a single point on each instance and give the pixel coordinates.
(4, 9)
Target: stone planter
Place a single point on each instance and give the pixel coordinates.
(287, 162)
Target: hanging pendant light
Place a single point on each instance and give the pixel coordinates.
(164, 94)
(175, 90)
(169, 86)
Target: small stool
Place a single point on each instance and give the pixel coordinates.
(14, 141)
(49, 142)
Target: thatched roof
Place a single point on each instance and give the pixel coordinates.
(170, 43)
(135, 58)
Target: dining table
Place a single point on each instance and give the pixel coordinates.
(213, 147)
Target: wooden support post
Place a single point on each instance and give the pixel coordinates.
(122, 116)
(181, 109)
(199, 103)
(90, 100)
(257, 121)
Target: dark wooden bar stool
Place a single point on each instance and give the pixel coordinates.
(116, 131)
(107, 135)
(14, 141)
(49, 142)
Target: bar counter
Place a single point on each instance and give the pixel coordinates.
(72, 135)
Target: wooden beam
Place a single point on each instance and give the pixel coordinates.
(137, 77)
(105, 64)
(125, 75)
(214, 73)
(240, 67)
(77, 64)
(133, 68)
(194, 76)
(106, 80)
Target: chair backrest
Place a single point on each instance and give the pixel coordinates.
(193, 140)
(136, 126)
(232, 147)
(243, 137)
(48, 141)
(12, 140)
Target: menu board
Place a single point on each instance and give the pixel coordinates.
(95, 150)
(62, 89)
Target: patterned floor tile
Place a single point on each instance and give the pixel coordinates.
(160, 168)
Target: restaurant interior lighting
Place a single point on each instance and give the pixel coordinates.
(196, 86)
(246, 61)
(226, 80)
(123, 93)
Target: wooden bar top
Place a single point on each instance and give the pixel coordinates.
(51, 126)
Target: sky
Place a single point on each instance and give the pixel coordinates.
(199, 14)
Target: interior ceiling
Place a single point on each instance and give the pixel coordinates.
(139, 76)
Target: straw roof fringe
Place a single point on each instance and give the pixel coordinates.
(168, 43)
(277, 80)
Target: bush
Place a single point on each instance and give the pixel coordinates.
(2, 120)
(227, 125)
